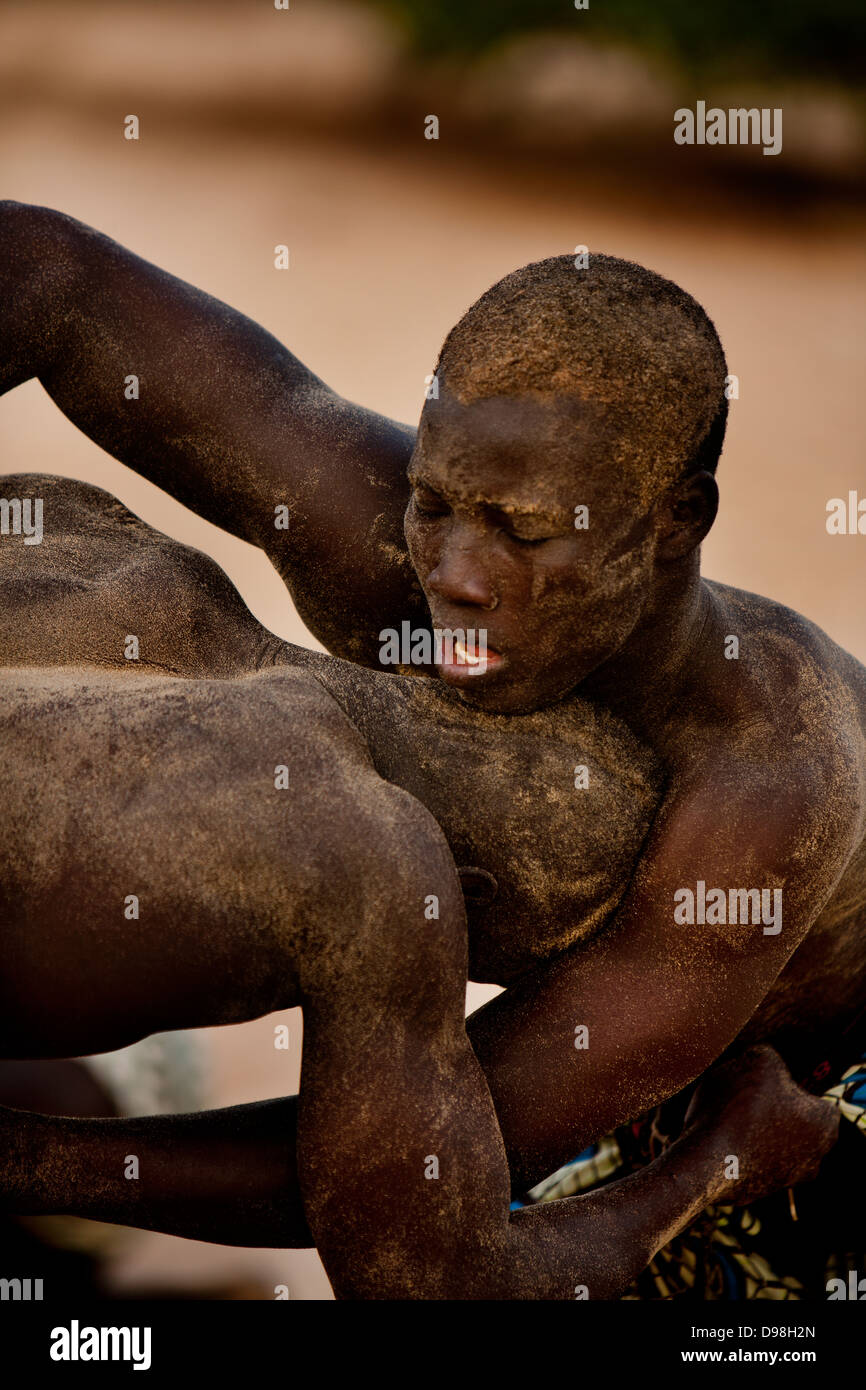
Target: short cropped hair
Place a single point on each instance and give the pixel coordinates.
(615, 334)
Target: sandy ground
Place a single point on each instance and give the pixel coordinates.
(388, 246)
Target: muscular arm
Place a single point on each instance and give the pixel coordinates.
(662, 1000)
(227, 420)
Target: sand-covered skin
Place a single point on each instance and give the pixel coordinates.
(119, 778)
(501, 787)
(743, 772)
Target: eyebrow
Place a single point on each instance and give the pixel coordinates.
(539, 514)
(554, 517)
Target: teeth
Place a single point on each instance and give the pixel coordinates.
(463, 654)
(465, 657)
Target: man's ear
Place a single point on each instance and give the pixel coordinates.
(686, 514)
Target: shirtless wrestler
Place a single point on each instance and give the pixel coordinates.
(754, 780)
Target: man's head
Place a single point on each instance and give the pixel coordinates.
(562, 389)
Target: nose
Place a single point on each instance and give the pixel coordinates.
(461, 575)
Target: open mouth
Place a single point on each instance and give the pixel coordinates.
(468, 659)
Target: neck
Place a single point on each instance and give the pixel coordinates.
(647, 674)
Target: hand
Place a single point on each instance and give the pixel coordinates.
(778, 1132)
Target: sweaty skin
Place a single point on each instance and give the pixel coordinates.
(625, 621)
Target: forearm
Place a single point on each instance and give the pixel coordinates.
(601, 1241)
(227, 1176)
(230, 1176)
(647, 1039)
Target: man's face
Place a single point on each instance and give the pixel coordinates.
(491, 531)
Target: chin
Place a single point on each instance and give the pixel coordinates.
(507, 698)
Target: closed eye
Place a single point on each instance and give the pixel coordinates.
(525, 540)
(428, 504)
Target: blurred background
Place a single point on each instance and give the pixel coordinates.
(306, 126)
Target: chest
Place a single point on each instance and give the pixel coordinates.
(553, 808)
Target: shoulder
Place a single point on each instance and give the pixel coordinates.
(100, 571)
(766, 755)
(774, 697)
